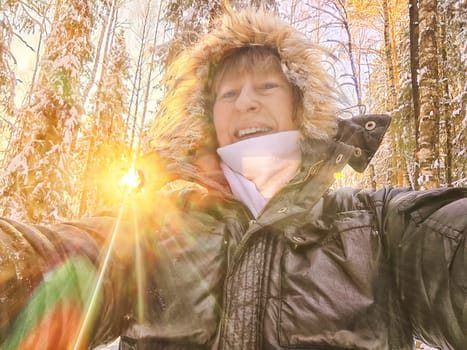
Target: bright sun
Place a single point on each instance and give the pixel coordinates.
(131, 179)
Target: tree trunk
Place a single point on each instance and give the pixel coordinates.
(428, 139)
(109, 29)
(152, 66)
(414, 64)
(341, 9)
(106, 29)
(136, 85)
(394, 131)
(445, 106)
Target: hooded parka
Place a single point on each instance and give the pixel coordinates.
(317, 269)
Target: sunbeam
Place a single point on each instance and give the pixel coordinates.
(83, 331)
(140, 279)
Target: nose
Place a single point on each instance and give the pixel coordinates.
(247, 99)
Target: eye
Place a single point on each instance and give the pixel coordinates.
(228, 94)
(268, 86)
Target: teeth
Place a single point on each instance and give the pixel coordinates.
(251, 131)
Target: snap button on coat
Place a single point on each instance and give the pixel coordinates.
(358, 152)
(370, 125)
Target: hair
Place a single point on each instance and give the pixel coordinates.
(250, 59)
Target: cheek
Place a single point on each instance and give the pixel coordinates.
(289, 120)
(221, 124)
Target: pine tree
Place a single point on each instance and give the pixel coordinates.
(7, 79)
(36, 184)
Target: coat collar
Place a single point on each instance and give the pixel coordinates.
(356, 142)
(364, 133)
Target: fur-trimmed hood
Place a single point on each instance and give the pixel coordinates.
(183, 125)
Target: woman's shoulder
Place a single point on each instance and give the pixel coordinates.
(347, 199)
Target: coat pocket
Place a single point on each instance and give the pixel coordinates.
(330, 286)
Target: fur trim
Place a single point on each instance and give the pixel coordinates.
(183, 125)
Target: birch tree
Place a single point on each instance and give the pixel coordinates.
(107, 15)
(106, 151)
(94, 129)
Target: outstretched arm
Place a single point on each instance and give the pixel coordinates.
(426, 233)
(59, 286)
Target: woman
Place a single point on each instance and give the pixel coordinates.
(251, 250)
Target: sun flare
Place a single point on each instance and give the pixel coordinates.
(131, 179)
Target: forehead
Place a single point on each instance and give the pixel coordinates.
(234, 76)
(251, 60)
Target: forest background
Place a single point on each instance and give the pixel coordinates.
(80, 84)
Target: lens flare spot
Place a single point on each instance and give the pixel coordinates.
(131, 179)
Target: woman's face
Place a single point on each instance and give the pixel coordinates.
(250, 104)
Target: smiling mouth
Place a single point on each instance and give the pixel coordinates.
(252, 131)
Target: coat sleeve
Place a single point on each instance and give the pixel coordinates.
(60, 285)
(426, 233)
